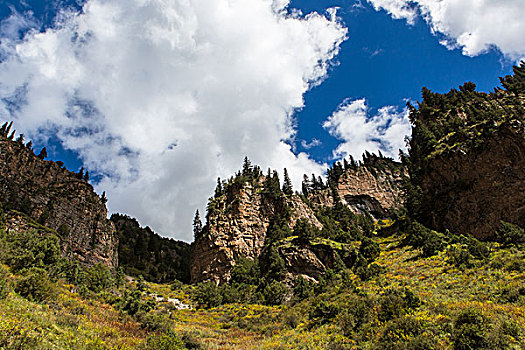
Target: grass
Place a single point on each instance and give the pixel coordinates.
(71, 321)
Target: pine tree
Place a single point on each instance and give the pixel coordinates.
(43, 154)
(218, 189)
(305, 186)
(287, 184)
(197, 225)
(86, 176)
(3, 129)
(246, 167)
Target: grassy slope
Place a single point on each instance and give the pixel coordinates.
(71, 321)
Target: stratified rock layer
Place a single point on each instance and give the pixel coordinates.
(58, 199)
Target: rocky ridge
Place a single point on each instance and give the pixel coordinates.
(236, 228)
(238, 221)
(56, 198)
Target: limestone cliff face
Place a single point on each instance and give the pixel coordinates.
(374, 189)
(58, 199)
(236, 227)
(471, 191)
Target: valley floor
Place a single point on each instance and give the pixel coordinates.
(445, 306)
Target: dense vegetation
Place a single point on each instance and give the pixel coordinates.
(458, 122)
(142, 252)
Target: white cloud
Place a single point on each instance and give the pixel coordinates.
(475, 26)
(384, 131)
(313, 143)
(163, 96)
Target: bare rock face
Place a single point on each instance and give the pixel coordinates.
(236, 227)
(312, 260)
(373, 190)
(58, 199)
(471, 192)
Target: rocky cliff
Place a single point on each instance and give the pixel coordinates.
(58, 199)
(241, 215)
(237, 224)
(472, 191)
(374, 186)
(467, 159)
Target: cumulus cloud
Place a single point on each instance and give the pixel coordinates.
(161, 97)
(384, 131)
(475, 26)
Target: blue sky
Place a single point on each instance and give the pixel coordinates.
(377, 55)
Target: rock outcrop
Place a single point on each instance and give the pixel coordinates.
(373, 190)
(60, 200)
(471, 192)
(236, 227)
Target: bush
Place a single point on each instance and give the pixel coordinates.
(470, 329)
(418, 236)
(4, 285)
(355, 314)
(132, 303)
(369, 249)
(207, 295)
(303, 289)
(36, 286)
(31, 249)
(366, 273)
(396, 302)
(403, 333)
(245, 271)
(274, 293)
(99, 278)
(166, 341)
(323, 312)
(509, 234)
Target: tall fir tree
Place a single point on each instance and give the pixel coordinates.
(287, 184)
(197, 225)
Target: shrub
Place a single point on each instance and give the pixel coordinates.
(303, 289)
(207, 295)
(245, 271)
(508, 234)
(366, 273)
(99, 278)
(132, 303)
(31, 249)
(274, 293)
(165, 341)
(403, 333)
(36, 286)
(369, 249)
(4, 285)
(395, 302)
(470, 329)
(355, 314)
(176, 285)
(323, 312)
